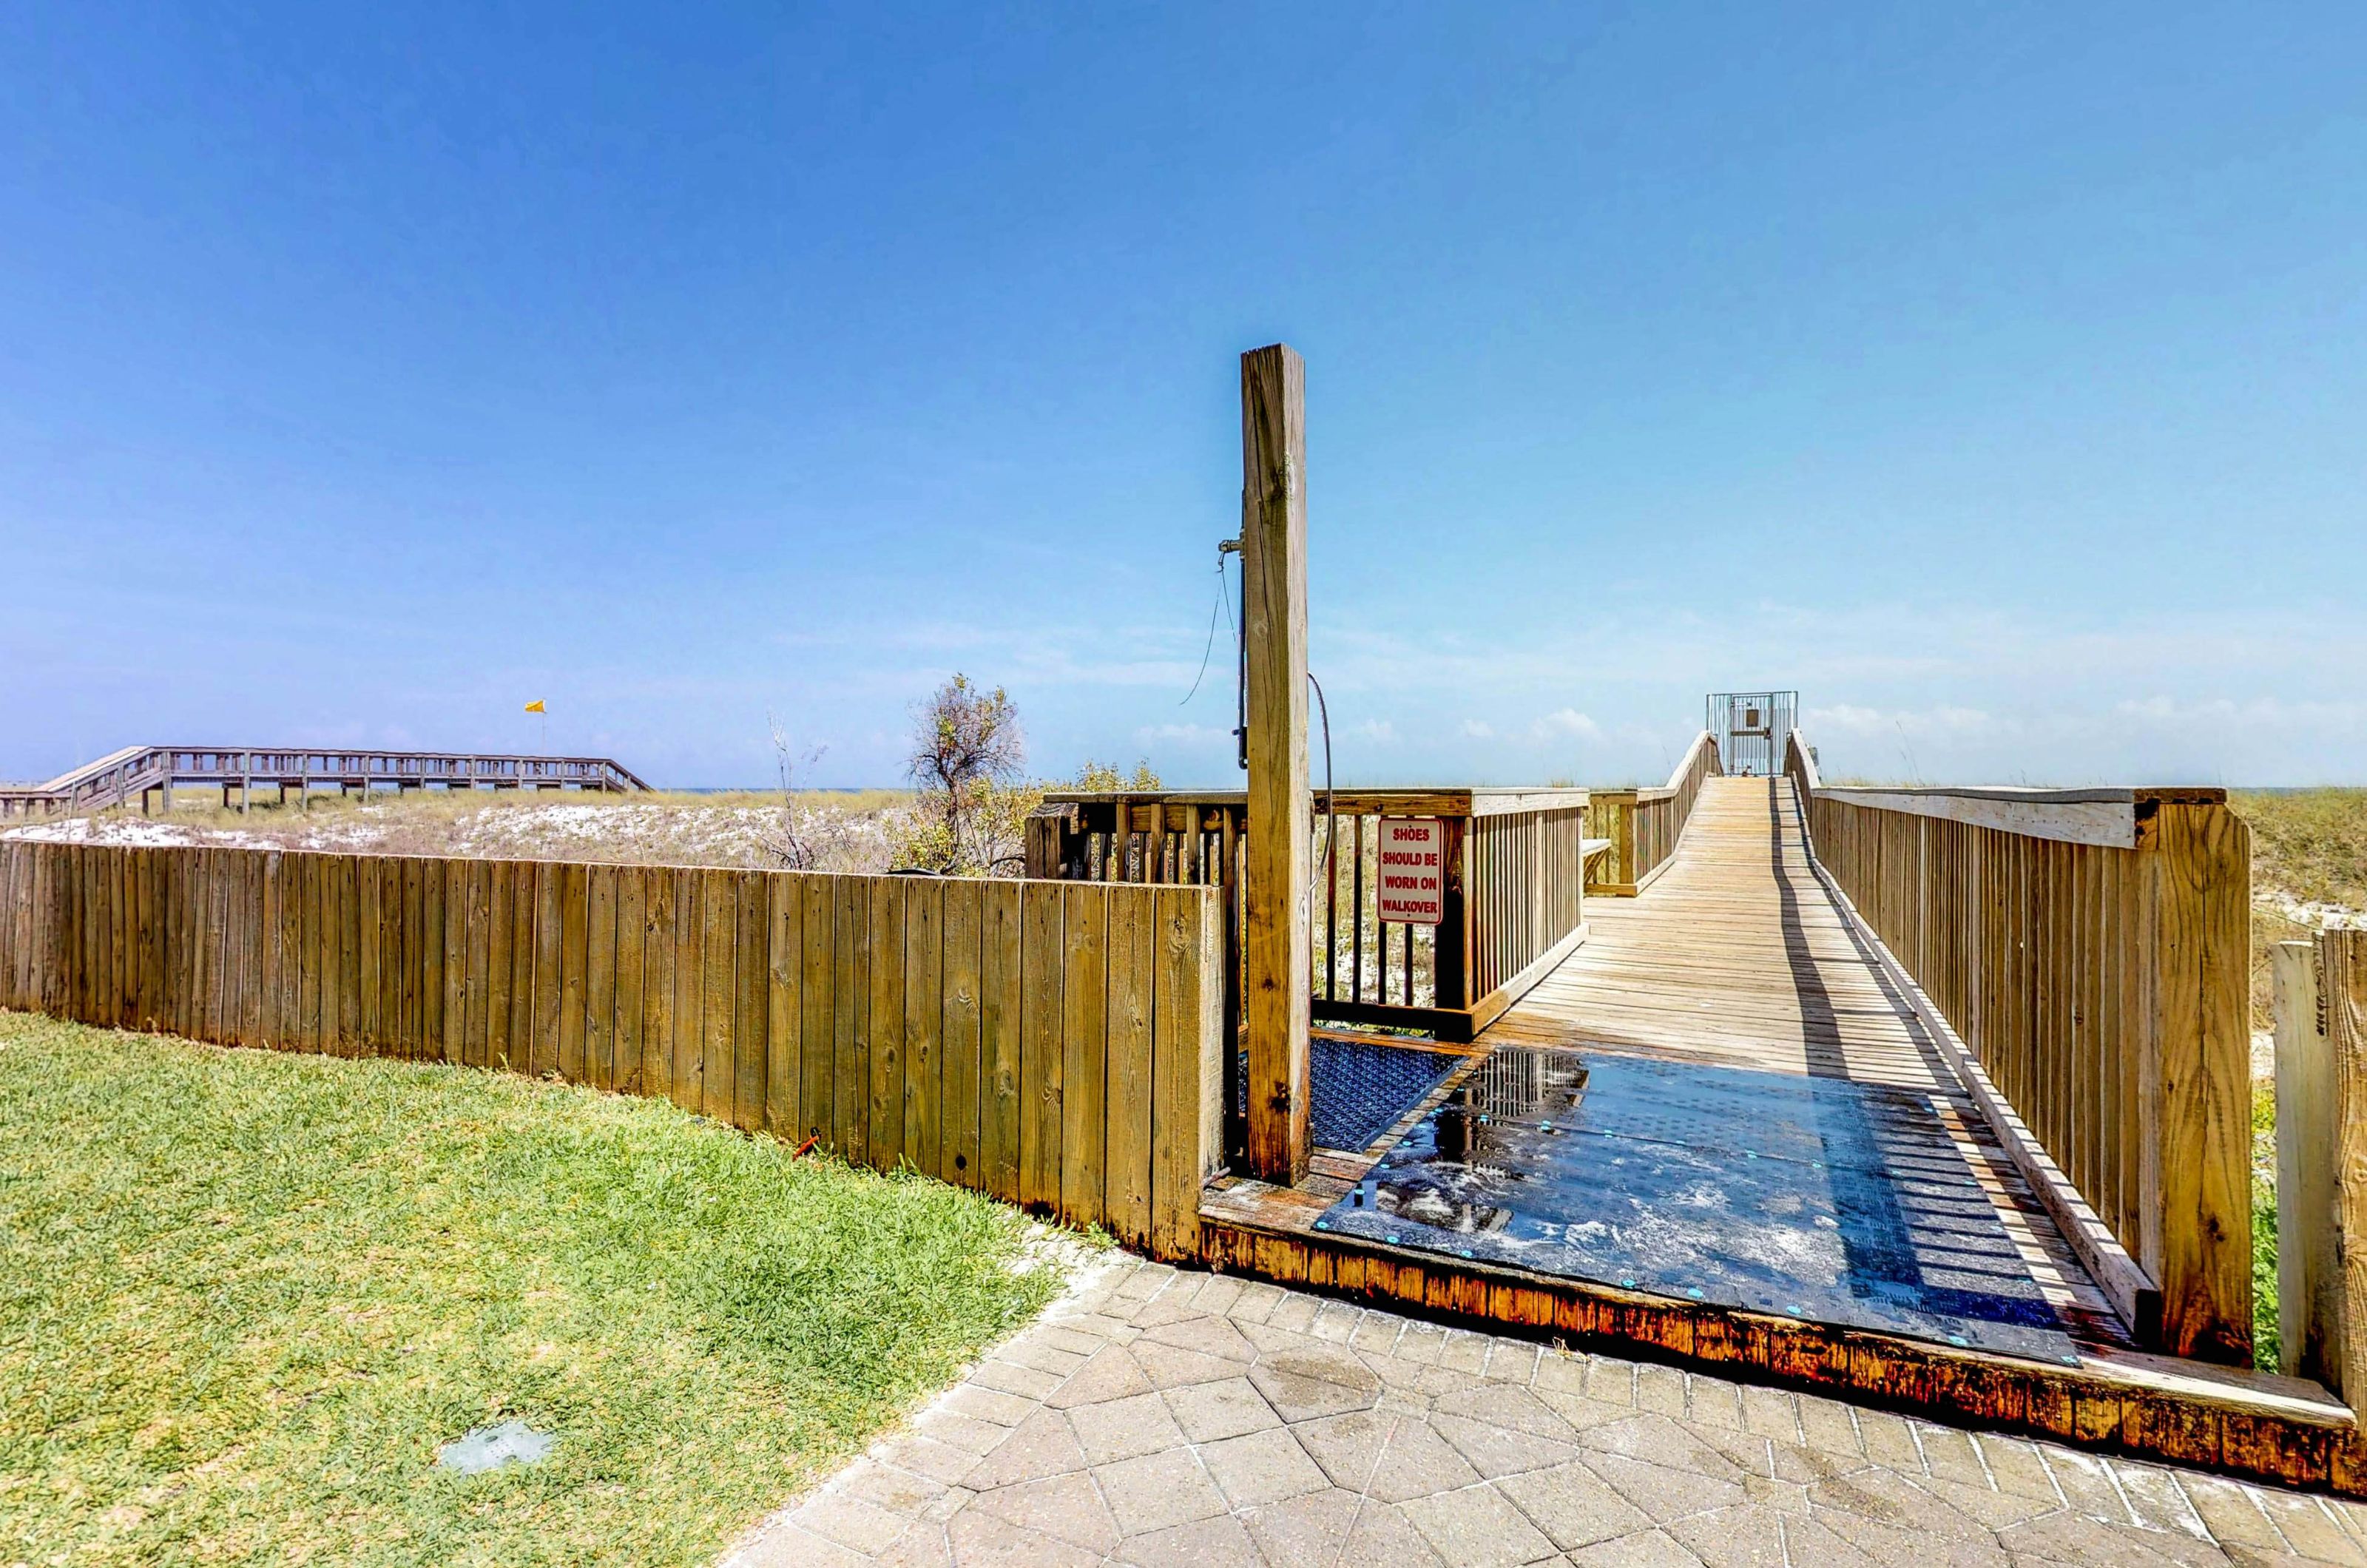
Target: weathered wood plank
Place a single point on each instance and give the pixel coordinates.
(1002, 1037)
(1126, 1160)
(575, 972)
(1043, 954)
(600, 976)
(785, 1025)
(851, 1044)
(1186, 1076)
(2309, 1239)
(719, 897)
(886, 1102)
(816, 1008)
(689, 992)
(1084, 1048)
(923, 1103)
(658, 1023)
(549, 965)
(633, 891)
(751, 975)
(959, 1142)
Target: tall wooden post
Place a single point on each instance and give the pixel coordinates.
(1277, 879)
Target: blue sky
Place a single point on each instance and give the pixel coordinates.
(1997, 375)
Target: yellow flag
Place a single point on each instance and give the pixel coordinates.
(536, 706)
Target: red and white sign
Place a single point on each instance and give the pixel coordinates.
(1413, 870)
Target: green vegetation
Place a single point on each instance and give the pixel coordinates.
(2264, 1225)
(244, 1296)
(2309, 847)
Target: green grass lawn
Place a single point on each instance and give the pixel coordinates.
(244, 1296)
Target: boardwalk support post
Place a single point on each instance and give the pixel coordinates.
(1277, 881)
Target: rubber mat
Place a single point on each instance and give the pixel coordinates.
(1358, 1089)
(1812, 1198)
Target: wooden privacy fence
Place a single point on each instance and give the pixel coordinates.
(1642, 825)
(1054, 1045)
(1513, 906)
(2090, 949)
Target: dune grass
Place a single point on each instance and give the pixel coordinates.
(244, 1296)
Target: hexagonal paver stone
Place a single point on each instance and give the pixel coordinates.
(1124, 1428)
(1477, 1528)
(1209, 1411)
(1391, 1456)
(1573, 1506)
(981, 1540)
(1172, 1366)
(1304, 1385)
(1040, 1446)
(1220, 1543)
(1112, 1373)
(1158, 1490)
(1497, 1451)
(1209, 1335)
(1066, 1507)
(1262, 1467)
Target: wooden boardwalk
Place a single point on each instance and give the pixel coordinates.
(1734, 956)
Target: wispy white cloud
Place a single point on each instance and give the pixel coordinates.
(1565, 724)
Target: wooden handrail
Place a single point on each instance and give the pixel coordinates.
(1644, 825)
(2083, 954)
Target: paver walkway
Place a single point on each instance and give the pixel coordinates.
(1158, 1416)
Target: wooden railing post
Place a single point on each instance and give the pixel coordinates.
(2195, 1164)
(2309, 1251)
(1277, 957)
(2343, 1008)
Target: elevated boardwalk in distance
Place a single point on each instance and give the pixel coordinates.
(123, 776)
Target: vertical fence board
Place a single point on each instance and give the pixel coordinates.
(1000, 1037)
(851, 984)
(1084, 1048)
(785, 1022)
(657, 984)
(886, 1063)
(689, 993)
(957, 1035)
(817, 1007)
(632, 885)
(719, 906)
(1186, 1076)
(1132, 988)
(1042, 941)
(753, 987)
(457, 922)
(600, 976)
(925, 1005)
(574, 928)
(500, 960)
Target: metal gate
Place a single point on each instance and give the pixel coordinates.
(1750, 728)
